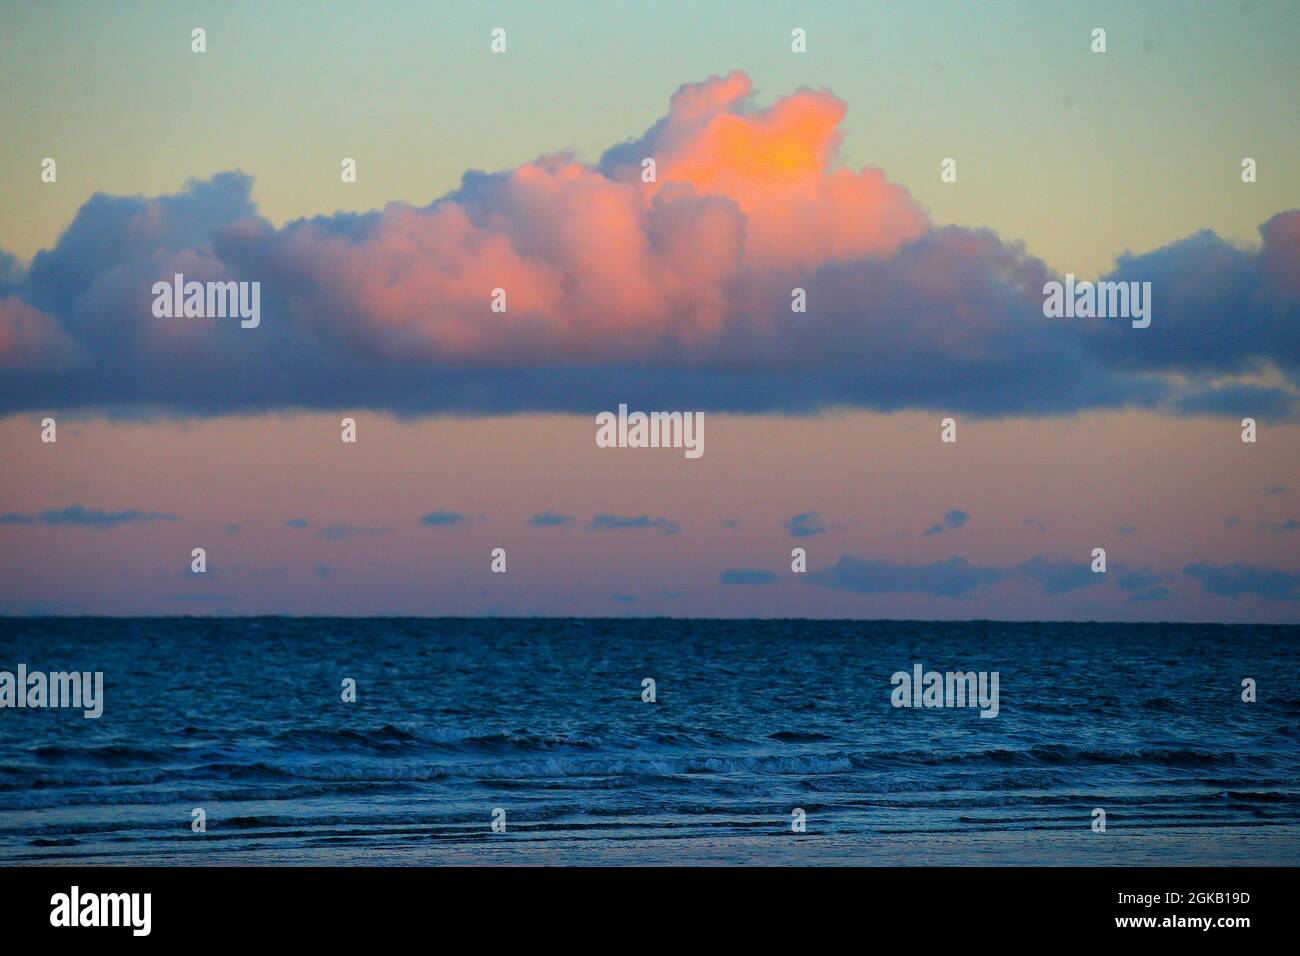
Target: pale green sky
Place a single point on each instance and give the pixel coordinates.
(1080, 155)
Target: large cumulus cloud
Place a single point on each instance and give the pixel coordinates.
(671, 293)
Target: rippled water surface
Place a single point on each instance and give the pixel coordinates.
(544, 719)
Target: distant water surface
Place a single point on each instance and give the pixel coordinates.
(543, 718)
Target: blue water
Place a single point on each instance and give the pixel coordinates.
(544, 720)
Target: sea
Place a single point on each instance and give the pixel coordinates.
(541, 741)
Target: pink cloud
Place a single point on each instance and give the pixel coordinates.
(31, 338)
(596, 266)
(1281, 251)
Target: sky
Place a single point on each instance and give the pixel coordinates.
(775, 171)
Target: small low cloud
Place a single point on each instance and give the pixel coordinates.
(953, 520)
(957, 577)
(549, 519)
(79, 516)
(1135, 579)
(807, 524)
(1279, 527)
(1140, 583)
(1055, 574)
(952, 578)
(337, 532)
(746, 576)
(1153, 594)
(641, 522)
(297, 523)
(444, 519)
(1126, 529)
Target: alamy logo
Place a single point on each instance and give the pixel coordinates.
(208, 300)
(103, 909)
(653, 430)
(80, 689)
(953, 689)
(1100, 300)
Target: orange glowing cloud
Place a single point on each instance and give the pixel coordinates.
(777, 165)
(596, 263)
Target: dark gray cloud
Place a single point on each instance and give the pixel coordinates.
(1261, 402)
(1228, 310)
